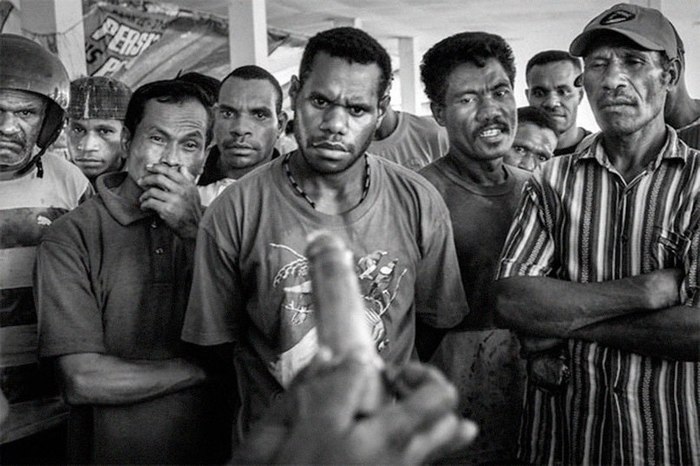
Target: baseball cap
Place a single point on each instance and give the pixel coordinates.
(646, 27)
(98, 97)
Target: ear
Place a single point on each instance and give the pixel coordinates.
(282, 119)
(294, 89)
(527, 95)
(673, 72)
(382, 107)
(438, 111)
(125, 141)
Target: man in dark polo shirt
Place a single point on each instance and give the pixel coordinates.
(112, 283)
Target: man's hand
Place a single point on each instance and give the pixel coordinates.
(173, 195)
(322, 418)
(663, 287)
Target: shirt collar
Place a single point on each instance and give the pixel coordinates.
(672, 149)
(124, 210)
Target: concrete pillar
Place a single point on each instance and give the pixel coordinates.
(408, 74)
(658, 4)
(247, 33)
(59, 25)
(343, 21)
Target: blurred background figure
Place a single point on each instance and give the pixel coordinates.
(535, 140)
(409, 140)
(554, 85)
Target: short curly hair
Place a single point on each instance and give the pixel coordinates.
(354, 45)
(465, 47)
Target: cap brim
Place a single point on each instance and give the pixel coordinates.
(582, 41)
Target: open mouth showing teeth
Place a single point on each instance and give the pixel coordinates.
(490, 133)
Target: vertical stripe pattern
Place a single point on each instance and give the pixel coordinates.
(580, 221)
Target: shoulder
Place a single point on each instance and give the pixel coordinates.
(406, 182)
(79, 223)
(422, 123)
(66, 177)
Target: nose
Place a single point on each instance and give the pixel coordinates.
(528, 162)
(488, 109)
(613, 76)
(90, 143)
(8, 123)
(335, 120)
(170, 155)
(551, 101)
(240, 126)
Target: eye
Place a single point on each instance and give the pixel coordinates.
(226, 114)
(501, 92)
(26, 113)
(77, 130)
(261, 115)
(105, 131)
(537, 93)
(319, 102)
(520, 150)
(542, 157)
(356, 111)
(466, 99)
(191, 145)
(156, 138)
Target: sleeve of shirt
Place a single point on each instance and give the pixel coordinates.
(690, 288)
(211, 316)
(69, 318)
(439, 295)
(529, 246)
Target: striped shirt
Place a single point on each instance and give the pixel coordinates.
(580, 221)
(28, 206)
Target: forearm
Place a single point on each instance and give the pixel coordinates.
(548, 307)
(98, 379)
(672, 333)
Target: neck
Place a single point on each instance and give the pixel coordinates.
(479, 172)
(332, 193)
(631, 153)
(682, 109)
(388, 126)
(129, 190)
(570, 137)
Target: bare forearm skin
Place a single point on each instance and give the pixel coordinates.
(98, 379)
(548, 307)
(671, 333)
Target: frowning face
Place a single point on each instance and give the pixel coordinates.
(337, 110)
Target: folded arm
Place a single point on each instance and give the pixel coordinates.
(640, 314)
(99, 379)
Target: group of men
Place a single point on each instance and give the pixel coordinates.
(169, 323)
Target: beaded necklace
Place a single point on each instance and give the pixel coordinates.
(301, 192)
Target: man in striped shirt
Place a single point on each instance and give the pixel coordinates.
(604, 252)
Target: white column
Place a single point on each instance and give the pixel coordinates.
(658, 4)
(247, 33)
(408, 74)
(63, 18)
(343, 21)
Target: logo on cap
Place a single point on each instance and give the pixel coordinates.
(618, 16)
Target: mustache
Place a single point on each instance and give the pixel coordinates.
(620, 98)
(330, 145)
(16, 139)
(233, 144)
(498, 122)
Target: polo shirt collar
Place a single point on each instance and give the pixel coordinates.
(125, 211)
(672, 149)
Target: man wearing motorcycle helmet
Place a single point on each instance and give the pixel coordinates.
(34, 89)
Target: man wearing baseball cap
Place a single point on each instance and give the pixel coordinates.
(95, 120)
(604, 255)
